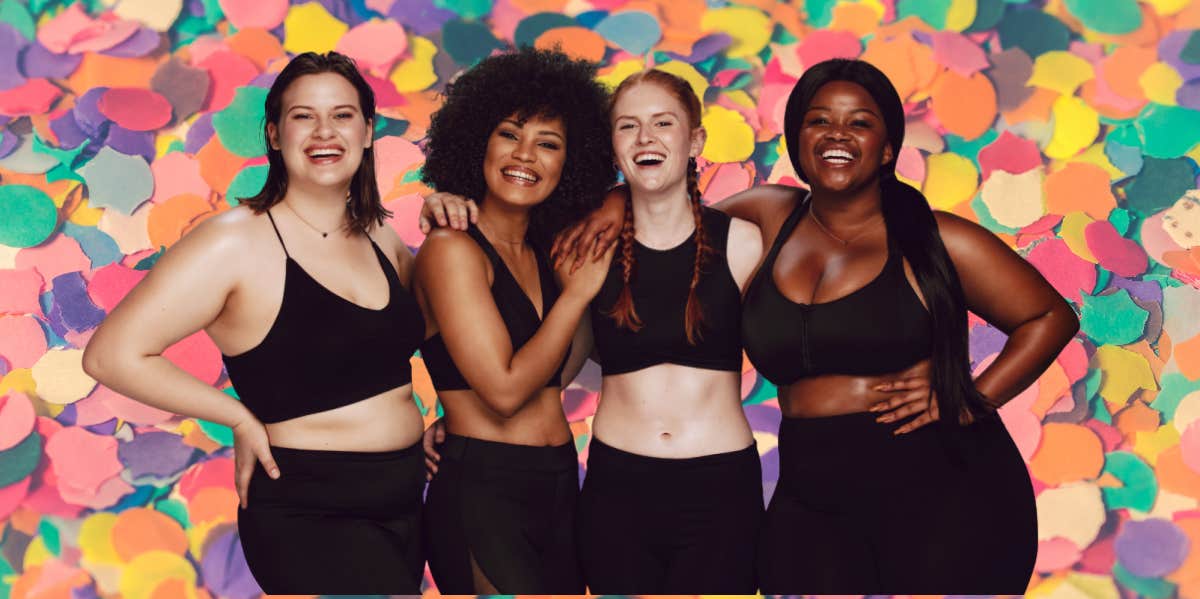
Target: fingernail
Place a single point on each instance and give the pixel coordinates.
(274, 473)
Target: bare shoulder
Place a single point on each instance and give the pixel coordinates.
(744, 235)
(392, 244)
(233, 234)
(959, 233)
(446, 247)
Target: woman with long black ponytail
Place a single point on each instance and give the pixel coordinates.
(863, 284)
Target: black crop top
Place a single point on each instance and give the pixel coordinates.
(324, 351)
(516, 309)
(660, 290)
(879, 328)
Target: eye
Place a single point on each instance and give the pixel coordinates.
(301, 115)
(818, 120)
(623, 126)
(664, 123)
(862, 123)
(508, 135)
(345, 115)
(549, 145)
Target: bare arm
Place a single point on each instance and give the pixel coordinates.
(1010, 294)
(581, 348)
(452, 274)
(757, 204)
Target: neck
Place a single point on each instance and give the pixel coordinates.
(503, 225)
(662, 219)
(847, 210)
(323, 208)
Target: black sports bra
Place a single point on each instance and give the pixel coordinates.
(660, 283)
(879, 328)
(516, 309)
(324, 351)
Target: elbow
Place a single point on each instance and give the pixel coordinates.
(94, 363)
(1067, 321)
(505, 405)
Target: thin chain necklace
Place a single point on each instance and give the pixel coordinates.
(844, 242)
(324, 234)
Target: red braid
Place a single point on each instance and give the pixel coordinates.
(694, 313)
(623, 311)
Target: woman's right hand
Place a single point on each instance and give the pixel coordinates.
(434, 436)
(447, 209)
(584, 281)
(250, 446)
(594, 235)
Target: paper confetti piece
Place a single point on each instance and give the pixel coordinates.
(1080, 187)
(117, 180)
(749, 28)
(730, 138)
(1014, 200)
(577, 42)
(950, 180)
(135, 109)
(239, 125)
(375, 45)
(18, 419)
(1068, 453)
(1120, 255)
(968, 120)
(1125, 372)
(416, 73)
(1060, 71)
(60, 377)
(20, 460)
(27, 216)
(1076, 125)
(145, 572)
(310, 28)
(255, 14)
(1168, 131)
(1113, 318)
(158, 15)
(140, 530)
(1073, 511)
(1151, 548)
(74, 31)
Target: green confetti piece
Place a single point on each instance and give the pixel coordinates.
(1114, 17)
(969, 149)
(176, 510)
(819, 12)
(217, 432)
(50, 536)
(985, 217)
(763, 391)
(1159, 184)
(6, 570)
(1151, 588)
(1168, 131)
(467, 9)
(27, 216)
(1173, 388)
(239, 125)
(1103, 277)
(246, 184)
(1190, 53)
(1033, 31)
(148, 262)
(413, 175)
(16, 14)
(65, 156)
(987, 14)
(19, 461)
(932, 12)
(1140, 487)
(468, 42)
(1113, 319)
(1100, 411)
(1121, 220)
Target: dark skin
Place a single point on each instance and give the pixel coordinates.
(815, 266)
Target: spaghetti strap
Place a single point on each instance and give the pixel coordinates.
(281, 243)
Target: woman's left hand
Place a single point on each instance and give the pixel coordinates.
(910, 396)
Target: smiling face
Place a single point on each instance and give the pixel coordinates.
(524, 160)
(321, 131)
(653, 138)
(843, 141)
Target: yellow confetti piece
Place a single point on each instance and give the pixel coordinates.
(1073, 225)
(162, 143)
(36, 553)
(1149, 444)
(1076, 126)
(60, 377)
(310, 28)
(950, 179)
(146, 571)
(1046, 588)
(158, 15)
(19, 380)
(86, 216)
(749, 28)
(1014, 200)
(961, 14)
(1092, 586)
(1095, 156)
(1124, 372)
(615, 75)
(730, 139)
(1166, 504)
(197, 535)
(1060, 71)
(765, 441)
(8, 256)
(740, 98)
(95, 539)
(1187, 412)
(689, 73)
(1160, 82)
(1167, 7)
(1073, 511)
(416, 73)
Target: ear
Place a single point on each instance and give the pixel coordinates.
(370, 134)
(699, 136)
(273, 136)
(888, 155)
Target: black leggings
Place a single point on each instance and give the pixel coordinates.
(505, 510)
(676, 526)
(336, 522)
(860, 511)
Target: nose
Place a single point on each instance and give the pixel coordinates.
(523, 150)
(837, 132)
(643, 136)
(324, 128)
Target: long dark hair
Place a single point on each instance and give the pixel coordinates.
(364, 205)
(911, 224)
(623, 311)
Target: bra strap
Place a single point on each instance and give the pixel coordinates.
(786, 229)
(281, 243)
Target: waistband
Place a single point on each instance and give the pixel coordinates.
(335, 456)
(497, 454)
(632, 462)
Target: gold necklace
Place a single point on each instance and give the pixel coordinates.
(324, 234)
(844, 242)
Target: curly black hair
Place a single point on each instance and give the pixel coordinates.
(528, 83)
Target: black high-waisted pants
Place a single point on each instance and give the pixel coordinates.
(507, 510)
(670, 526)
(860, 511)
(336, 522)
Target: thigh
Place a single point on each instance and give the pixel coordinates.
(614, 545)
(803, 550)
(719, 558)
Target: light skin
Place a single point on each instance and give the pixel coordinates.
(227, 278)
(509, 400)
(813, 267)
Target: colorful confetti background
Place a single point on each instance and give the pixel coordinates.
(1069, 127)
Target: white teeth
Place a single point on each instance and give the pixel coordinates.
(324, 153)
(837, 154)
(641, 157)
(520, 175)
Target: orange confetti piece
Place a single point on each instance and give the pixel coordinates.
(577, 42)
(1080, 187)
(1187, 357)
(139, 530)
(169, 220)
(1068, 452)
(256, 44)
(218, 166)
(965, 119)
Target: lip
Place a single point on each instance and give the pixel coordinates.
(327, 159)
(661, 156)
(820, 155)
(520, 176)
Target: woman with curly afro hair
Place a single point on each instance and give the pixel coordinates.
(525, 133)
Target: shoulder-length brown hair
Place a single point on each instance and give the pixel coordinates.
(364, 205)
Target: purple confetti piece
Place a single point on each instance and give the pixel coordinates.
(199, 134)
(106, 428)
(67, 416)
(85, 592)
(341, 10)
(421, 16)
(705, 48)
(770, 473)
(131, 143)
(70, 135)
(985, 341)
(37, 61)
(11, 44)
(88, 115)
(1169, 50)
(156, 454)
(1151, 548)
(78, 311)
(224, 568)
(141, 43)
(194, 8)
(54, 318)
(1188, 95)
(264, 80)
(764, 419)
(5, 367)
(8, 143)
(1147, 291)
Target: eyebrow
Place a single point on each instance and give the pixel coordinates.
(542, 132)
(338, 107)
(866, 110)
(670, 113)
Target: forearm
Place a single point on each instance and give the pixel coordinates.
(156, 381)
(1030, 349)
